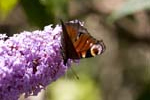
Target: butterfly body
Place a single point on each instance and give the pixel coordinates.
(77, 43)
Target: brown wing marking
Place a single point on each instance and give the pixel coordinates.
(72, 32)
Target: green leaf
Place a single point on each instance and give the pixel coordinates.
(6, 6)
(130, 7)
(58, 8)
(36, 13)
(44, 12)
(85, 89)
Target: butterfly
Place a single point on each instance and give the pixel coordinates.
(77, 42)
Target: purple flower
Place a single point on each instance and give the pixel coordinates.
(29, 61)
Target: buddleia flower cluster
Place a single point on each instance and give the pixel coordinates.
(29, 61)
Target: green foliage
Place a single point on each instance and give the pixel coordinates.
(130, 7)
(84, 89)
(44, 12)
(59, 8)
(36, 13)
(6, 6)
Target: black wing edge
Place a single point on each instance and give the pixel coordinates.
(63, 42)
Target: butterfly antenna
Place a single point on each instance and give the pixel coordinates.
(76, 76)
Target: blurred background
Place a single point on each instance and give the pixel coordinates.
(121, 73)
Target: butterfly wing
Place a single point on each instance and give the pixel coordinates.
(68, 49)
(78, 43)
(84, 44)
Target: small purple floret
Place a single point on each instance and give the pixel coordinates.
(30, 61)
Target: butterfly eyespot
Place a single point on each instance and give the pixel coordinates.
(96, 49)
(94, 52)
